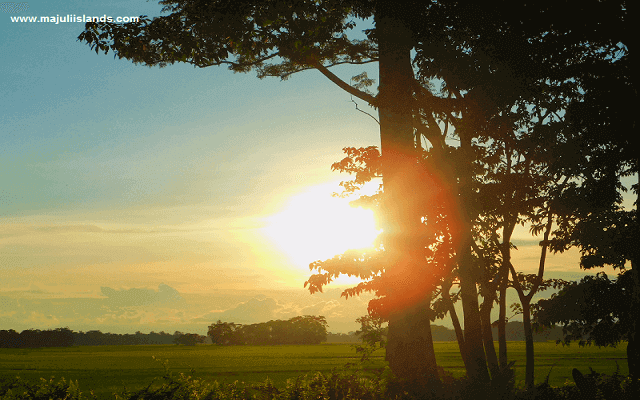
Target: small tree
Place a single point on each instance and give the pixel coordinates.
(373, 334)
(595, 309)
(225, 333)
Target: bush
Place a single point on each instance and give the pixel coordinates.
(337, 385)
(43, 390)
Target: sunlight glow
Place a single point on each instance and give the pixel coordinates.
(315, 226)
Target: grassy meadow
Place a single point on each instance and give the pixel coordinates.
(109, 369)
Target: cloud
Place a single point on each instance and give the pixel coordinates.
(328, 309)
(263, 309)
(138, 297)
(125, 318)
(39, 319)
(67, 228)
(130, 310)
(88, 228)
(249, 312)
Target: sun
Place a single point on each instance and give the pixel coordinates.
(316, 226)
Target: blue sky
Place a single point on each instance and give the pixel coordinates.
(85, 131)
(119, 176)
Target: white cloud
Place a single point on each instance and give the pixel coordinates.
(41, 320)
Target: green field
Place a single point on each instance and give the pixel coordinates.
(108, 369)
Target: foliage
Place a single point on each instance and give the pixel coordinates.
(602, 153)
(45, 389)
(335, 385)
(225, 333)
(373, 336)
(306, 329)
(595, 309)
(241, 35)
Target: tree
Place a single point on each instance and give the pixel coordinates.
(529, 174)
(600, 148)
(479, 105)
(602, 151)
(307, 329)
(225, 333)
(373, 336)
(520, 187)
(594, 309)
(305, 34)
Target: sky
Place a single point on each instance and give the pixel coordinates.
(165, 199)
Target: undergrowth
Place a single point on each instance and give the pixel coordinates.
(345, 384)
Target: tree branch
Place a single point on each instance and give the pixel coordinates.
(516, 282)
(257, 61)
(364, 112)
(543, 254)
(345, 86)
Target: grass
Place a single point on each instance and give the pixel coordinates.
(550, 359)
(109, 369)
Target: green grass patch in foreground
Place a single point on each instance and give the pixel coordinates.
(108, 369)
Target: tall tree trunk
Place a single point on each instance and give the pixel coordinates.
(487, 336)
(410, 346)
(477, 367)
(633, 355)
(489, 288)
(525, 300)
(474, 347)
(507, 231)
(410, 349)
(528, 337)
(502, 321)
(633, 348)
(446, 286)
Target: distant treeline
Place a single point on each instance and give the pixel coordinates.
(65, 337)
(350, 337)
(308, 329)
(298, 330)
(514, 333)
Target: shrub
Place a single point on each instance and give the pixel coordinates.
(336, 385)
(43, 390)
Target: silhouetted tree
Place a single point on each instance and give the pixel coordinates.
(225, 333)
(595, 309)
(306, 329)
(303, 35)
